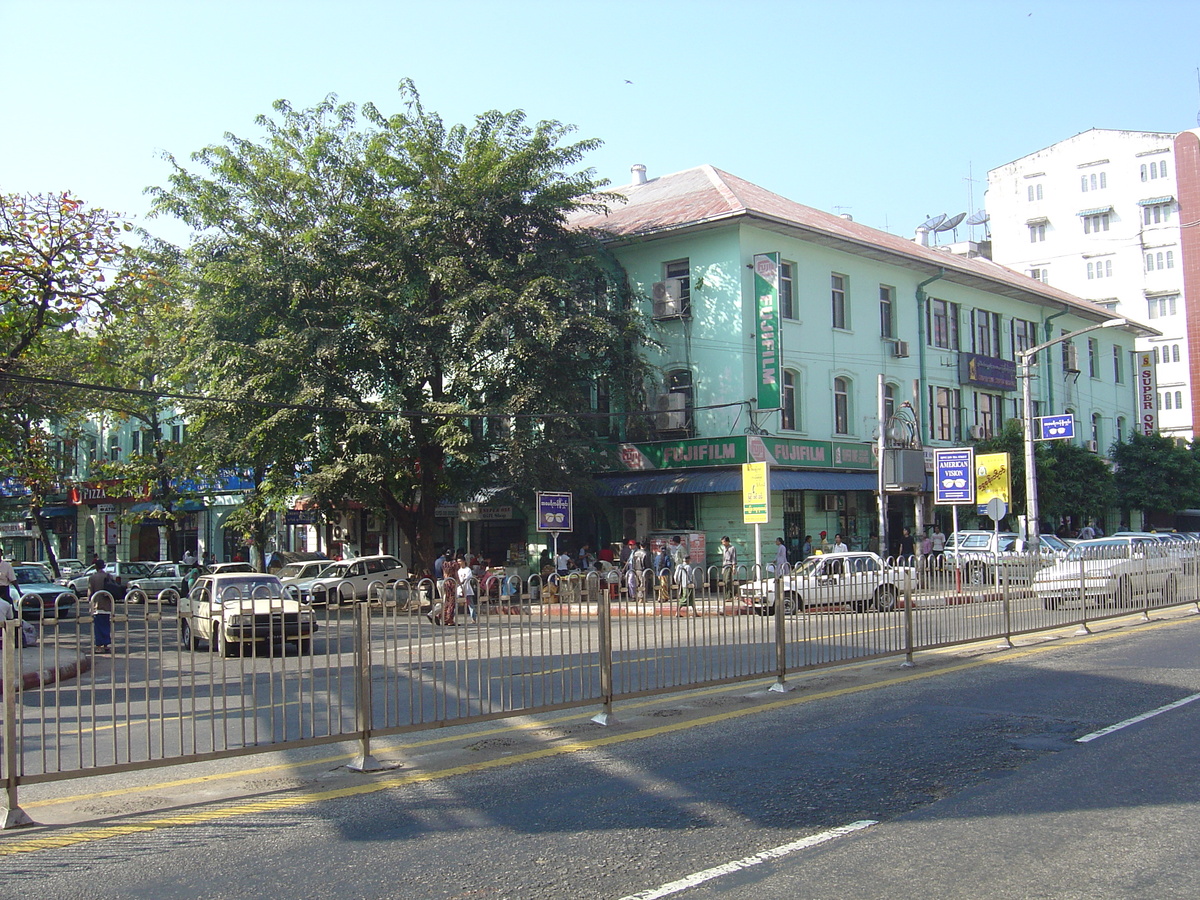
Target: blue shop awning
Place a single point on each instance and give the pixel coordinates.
(722, 481)
(51, 511)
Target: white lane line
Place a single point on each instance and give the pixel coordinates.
(1148, 715)
(690, 881)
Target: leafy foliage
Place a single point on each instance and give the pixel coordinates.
(417, 287)
(1156, 474)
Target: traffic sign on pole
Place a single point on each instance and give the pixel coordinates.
(1056, 428)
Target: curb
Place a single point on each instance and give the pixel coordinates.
(36, 678)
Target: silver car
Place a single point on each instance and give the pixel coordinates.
(1111, 571)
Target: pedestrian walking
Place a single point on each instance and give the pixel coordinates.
(466, 582)
(8, 578)
(781, 560)
(729, 566)
(101, 599)
(806, 548)
(840, 546)
(685, 579)
(906, 549)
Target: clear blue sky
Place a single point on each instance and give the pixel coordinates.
(880, 109)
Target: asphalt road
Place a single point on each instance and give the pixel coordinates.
(969, 766)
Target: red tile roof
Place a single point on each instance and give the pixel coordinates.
(707, 196)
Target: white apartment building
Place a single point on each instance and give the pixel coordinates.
(1097, 215)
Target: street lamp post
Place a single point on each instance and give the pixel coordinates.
(1026, 359)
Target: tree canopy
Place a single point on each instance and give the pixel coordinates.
(412, 296)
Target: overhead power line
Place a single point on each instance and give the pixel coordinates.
(344, 410)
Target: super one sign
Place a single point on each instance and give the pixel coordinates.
(1147, 386)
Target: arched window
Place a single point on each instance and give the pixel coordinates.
(1175, 353)
(1120, 429)
(1179, 399)
(889, 401)
(841, 405)
(787, 400)
(1096, 429)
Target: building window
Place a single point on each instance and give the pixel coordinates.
(1162, 168)
(943, 324)
(989, 410)
(1035, 192)
(677, 415)
(1096, 223)
(1070, 357)
(1166, 401)
(1118, 372)
(1093, 358)
(787, 293)
(1037, 233)
(1156, 213)
(1170, 259)
(1040, 274)
(887, 322)
(1096, 430)
(787, 399)
(889, 401)
(841, 405)
(1101, 268)
(1024, 335)
(1160, 307)
(837, 285)
(1179, 399)
(1120, 429)
(985, 332)
(945, 402)
(1094, 182)
(680, 269)
(1175, 353)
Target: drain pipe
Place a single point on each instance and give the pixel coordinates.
(923, 404)
(1046, 335)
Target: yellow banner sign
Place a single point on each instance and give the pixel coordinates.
(756, 500)
(992, 478)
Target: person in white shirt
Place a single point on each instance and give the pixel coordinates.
(781, 560)
(7, 579)
(840, 546)
(467, 583)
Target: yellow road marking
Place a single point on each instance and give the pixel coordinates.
(57, 839)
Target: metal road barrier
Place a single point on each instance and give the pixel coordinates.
(418, 655)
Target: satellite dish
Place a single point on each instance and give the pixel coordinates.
(933, 222)
(978, 218)
(950, 223)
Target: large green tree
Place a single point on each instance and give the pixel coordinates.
(413, 296)
(1072, 482)
(1156, 474)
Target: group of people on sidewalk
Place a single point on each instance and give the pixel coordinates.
(666, 575)
(458, 581)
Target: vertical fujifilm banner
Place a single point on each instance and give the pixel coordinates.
(766, 296)
(1147, 387)
(756, 501)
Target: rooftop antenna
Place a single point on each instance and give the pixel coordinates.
(951, 224)
(981, 217)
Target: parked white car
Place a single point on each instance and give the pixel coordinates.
(1112, 571)
(859, 580)
(233, 611)
(980, 554)
(167, 576)
(352, 578)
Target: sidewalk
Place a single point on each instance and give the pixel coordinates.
(39, 668)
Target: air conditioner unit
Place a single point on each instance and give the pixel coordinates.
(1090, 445)
(977, 432)
(671, 410)
(1072, 359)
(635, 523)
(831, 502)
(900, 349)
(668, 298)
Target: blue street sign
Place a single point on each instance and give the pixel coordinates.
(1054, 428)
(954, 477)
(554, 511)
